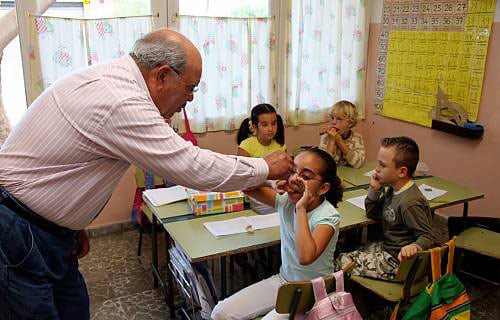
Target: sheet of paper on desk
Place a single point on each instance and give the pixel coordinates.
(241, 224)
(369, 173)
(358, 201)
(431, 193)
(161, 196)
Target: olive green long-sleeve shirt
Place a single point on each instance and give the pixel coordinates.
(405, 215)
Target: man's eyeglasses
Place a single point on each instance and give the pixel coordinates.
(191, 88)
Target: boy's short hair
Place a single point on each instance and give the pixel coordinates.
(406, 154)
(346, 109)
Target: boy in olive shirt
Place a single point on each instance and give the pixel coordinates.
(404, 212)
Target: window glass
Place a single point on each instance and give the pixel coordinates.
(116, 8)
(224, 8)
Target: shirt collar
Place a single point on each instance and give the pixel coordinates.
(405, 187)
(134, 68)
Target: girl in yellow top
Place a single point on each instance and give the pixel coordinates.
(262, 134)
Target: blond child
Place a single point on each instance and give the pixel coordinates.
(338, 139)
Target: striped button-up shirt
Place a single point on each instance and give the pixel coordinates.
(67, 154)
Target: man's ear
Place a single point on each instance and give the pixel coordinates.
(162, 72)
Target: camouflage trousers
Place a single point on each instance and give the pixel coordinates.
(371, 261)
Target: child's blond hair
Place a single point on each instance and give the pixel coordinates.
(345, 109)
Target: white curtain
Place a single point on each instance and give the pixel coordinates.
(238, 69)
(59, 46)
(325, 57)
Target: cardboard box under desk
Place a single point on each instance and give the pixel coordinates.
(202, 202)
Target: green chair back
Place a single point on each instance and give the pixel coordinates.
(413, 276)
(299, 295)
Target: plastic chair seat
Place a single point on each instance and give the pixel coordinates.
(480, 240)
(390, 291)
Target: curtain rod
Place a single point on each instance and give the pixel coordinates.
(86, 19)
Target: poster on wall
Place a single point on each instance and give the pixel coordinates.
(430, 45)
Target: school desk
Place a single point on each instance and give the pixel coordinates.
(456, 194)
(200, 245)
(357, 178)
(178, 211)
(354, 176)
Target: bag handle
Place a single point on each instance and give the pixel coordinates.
(451, 256)
(436, 263)
(436, 260)
(319, 289)
(339, 281)
(186, 121)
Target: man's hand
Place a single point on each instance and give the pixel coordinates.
(280, 165)
(407, 252)
(83, 245)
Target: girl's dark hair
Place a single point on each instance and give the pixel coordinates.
(329, 174)
(244, 130)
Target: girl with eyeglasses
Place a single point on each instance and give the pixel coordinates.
(309, 227)
(345, 145)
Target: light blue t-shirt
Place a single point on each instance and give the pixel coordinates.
(291, 269)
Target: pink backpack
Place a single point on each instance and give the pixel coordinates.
(333, 306)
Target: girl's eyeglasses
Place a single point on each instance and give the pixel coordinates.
(305, 176)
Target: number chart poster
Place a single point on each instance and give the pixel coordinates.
(430, 43)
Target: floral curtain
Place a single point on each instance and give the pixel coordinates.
(325, 57)
(238, 69)
(59, 46)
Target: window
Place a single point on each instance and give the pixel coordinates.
(85, 33)
(236, 41)
(313, 54)
(13, 90)
(253, 52)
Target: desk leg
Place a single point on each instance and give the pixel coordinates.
(154, 258)
(465, 213)
(223, 277)
(170, 284)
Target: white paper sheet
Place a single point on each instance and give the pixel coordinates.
(241, 224)
(161, 196)
(358, 201)
(431, 193)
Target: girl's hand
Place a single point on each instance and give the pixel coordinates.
(306, 195)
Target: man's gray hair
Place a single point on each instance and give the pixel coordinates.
(151, 52)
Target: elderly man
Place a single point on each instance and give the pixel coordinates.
(63, 160)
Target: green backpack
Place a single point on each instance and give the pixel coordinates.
(445, 297)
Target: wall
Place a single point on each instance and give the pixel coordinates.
(467, 162)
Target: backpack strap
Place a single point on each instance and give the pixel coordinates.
(319, 289)
(451, 256)
(339, 281)
(436, 263)
(186, 121)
